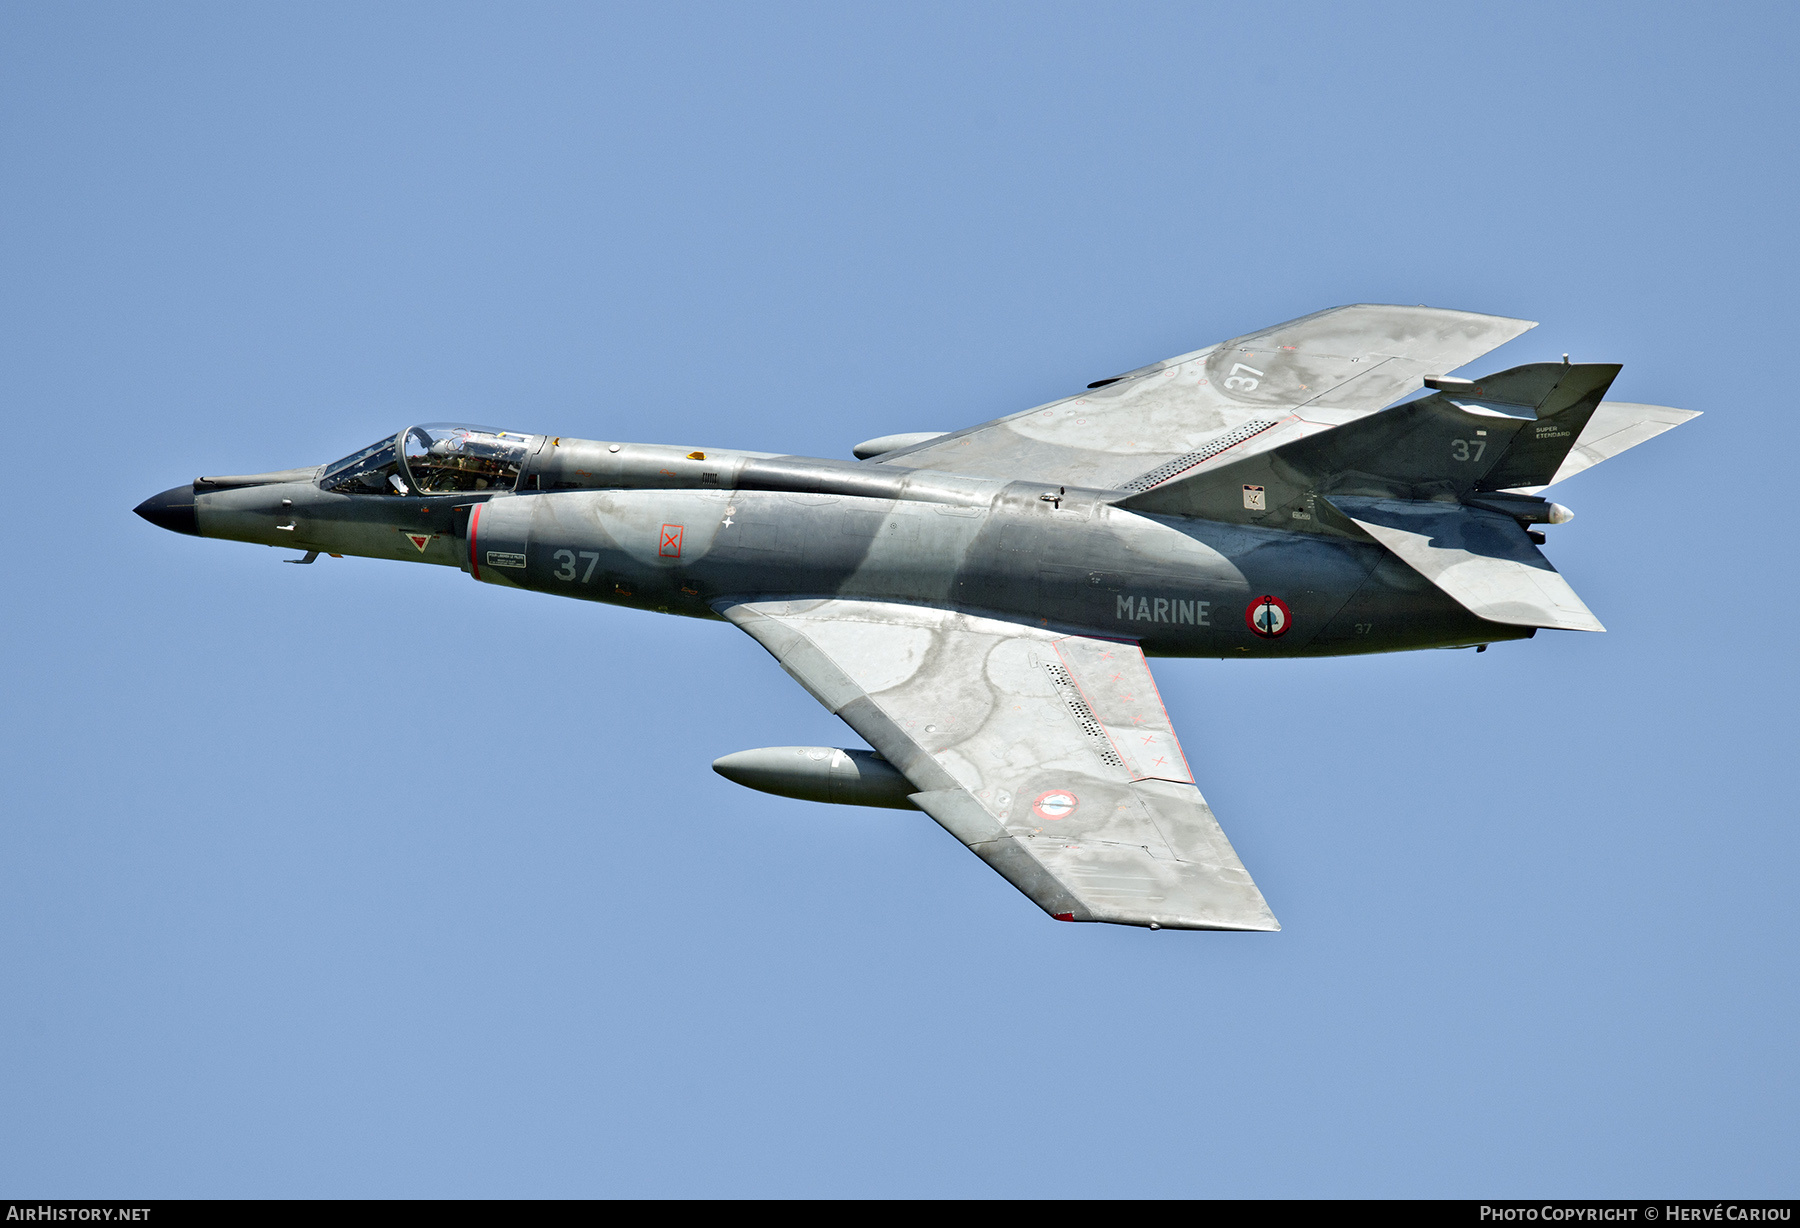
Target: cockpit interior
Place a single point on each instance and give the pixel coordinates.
(436, 458)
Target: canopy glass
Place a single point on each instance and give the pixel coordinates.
(433, 459)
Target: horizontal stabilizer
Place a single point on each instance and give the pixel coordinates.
(1510, 430)
(1483, 559)
(1615, 426)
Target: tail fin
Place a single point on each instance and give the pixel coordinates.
(1421, 478)
(1509, 430)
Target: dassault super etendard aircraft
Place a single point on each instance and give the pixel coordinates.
(978, 605)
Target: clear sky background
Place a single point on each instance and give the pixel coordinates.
(363, 879)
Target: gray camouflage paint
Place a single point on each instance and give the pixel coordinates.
(974, 604)
(1178, 585)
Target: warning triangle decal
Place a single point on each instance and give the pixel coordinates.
(421, 540)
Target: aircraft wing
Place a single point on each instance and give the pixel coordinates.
(1049, 756)
(1252, 392)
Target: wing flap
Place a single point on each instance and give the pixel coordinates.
(1482, 559)
(1112, 678)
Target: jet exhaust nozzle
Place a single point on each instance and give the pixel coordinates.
(1526, 509)
(820, 774)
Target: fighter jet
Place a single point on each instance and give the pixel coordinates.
(978, 605)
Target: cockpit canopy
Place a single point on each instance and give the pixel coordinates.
(434, 459)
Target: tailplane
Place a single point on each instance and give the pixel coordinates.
(1447, 482)
(1483, 559)
(1615, 426)
(1507, 431)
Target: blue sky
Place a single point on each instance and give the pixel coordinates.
(360, 879)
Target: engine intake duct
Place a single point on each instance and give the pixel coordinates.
(820, 774)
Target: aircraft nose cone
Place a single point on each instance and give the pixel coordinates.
(172, 510)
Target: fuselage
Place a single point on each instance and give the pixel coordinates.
(683, 531)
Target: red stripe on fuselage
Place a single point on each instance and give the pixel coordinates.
(474, 519)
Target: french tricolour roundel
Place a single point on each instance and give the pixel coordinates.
(1056, 804)
(1269, 616)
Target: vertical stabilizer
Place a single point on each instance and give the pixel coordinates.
(1509, 430)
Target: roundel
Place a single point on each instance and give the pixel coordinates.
(1269, 616)
(1056, 804)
